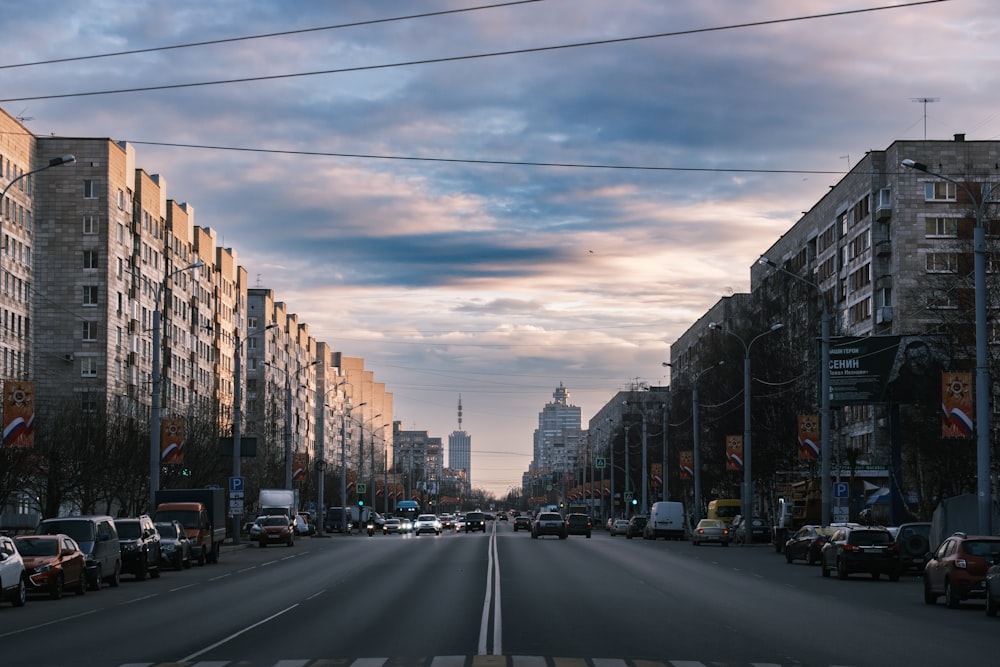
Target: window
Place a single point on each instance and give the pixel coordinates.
(89, 330)
(88, 403)
(88, 367)
(90, 293)
(861, 278)
(940, 298)
(90, 259)
(90, 224)
(861, 311)
(827, 238)
(89, 189)
(860, 243)
(940, 191)
(942, 262)
(121, 199)
(941, 228)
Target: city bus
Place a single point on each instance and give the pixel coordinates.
(407, 509)
(724, 509)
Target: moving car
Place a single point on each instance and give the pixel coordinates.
(175, 546)
(636, 525)
(869, 549)
(522, 523)
(759, 530)
(427, 523)
(549, 523)
(391, 526)
(666, 519)
(475, 521)
(806, 543)
(53, 563)
(275, 528)
(578, 524)
(13, 580)
(618, 527)
(958, 568)
(713, 531)
(993, 590)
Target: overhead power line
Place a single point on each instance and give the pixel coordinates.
(477, 56)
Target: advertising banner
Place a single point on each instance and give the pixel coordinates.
(18, 414)
(883, 369)
(956, 405)
(734, 452)
(687, 464)
(300, 466)
(808, 437)
(656, 475)
(172, 441)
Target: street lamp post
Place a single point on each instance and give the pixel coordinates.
(344, 414)
(54, 162)
(824, 415)
(696, 440)
(321, 459)
(747, 448)
(983, 427)
(155, 399)
(238, 414)
(288, 414)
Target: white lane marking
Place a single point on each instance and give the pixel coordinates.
(492, 597)
(42, 625)
(237, 634)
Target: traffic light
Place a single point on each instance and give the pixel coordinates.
(635, 502)
(361, 502)
(186, 472)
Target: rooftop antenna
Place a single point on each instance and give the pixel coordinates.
(924, 101)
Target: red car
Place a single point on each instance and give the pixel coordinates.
(53, 563)
(957, 570)
(275, 528)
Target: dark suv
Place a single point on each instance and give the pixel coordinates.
(549, 523)
(870, 549)
(958, 568)
(475, 521)
(140, 544)
(913, 540)
(578, 524)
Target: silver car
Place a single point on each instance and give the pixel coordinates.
(714, 531)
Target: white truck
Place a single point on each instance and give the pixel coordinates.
(278, 501)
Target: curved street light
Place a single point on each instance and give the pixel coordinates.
(747, 448)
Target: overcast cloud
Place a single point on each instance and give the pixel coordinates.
(493, 280)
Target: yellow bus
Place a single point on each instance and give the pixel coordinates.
(724, 509)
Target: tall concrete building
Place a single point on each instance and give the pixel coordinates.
(460, 452)
(559, 439)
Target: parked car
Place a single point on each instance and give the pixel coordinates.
(175, 546)
(867, 549)
(993, 589)
(53, 563)
(578, 524)
(97, 537)
(549, 523)
(522, 523)
(619, 527)
(13, 579)
(275, 528)
(475, 521)
(140, 545)
(713, 531)
(806, 543)
(304, 524)
(958, 568)
(636, 525)
(913, 544)
(759, 530)
(427, 523)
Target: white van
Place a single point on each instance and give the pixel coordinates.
(666, 519)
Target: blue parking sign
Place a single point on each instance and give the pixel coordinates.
(840, 490)
(235, 484)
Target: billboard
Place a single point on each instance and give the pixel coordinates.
(881, 369)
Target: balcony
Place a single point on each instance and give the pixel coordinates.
(883, 204)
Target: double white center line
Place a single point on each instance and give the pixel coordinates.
(491, 601)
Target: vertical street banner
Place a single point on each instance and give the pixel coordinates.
(808, 437)
(956, 405)
(172, 441)
(656, 475)
(734, 452)
(687, 464)
(300, 466)
(18, 414)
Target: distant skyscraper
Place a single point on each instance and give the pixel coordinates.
(558, 437)
(460, 450)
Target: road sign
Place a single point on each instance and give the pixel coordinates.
(236, 484)
(235, 506)
(362, 488)
(840, 490)
(236, 495)
(600, 462)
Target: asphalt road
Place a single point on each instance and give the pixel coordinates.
(439, 600)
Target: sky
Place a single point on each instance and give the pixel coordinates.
(490, 202)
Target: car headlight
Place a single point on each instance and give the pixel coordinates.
(43, 568)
